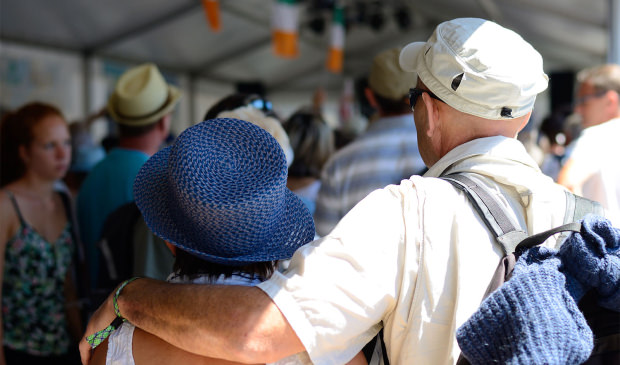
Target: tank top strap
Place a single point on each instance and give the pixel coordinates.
(14, 202)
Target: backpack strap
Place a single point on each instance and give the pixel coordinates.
(537, 239)
(80, 267)
(494, 215)
(576, 208)
(508, 236)
(68, 205)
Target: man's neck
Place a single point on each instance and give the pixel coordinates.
(148, 143)
(389, 115)
(591, 124)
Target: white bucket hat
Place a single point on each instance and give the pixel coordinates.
(141, 96)
(478, 67)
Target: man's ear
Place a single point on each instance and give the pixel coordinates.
(614, 99)
(432, 114)
(370, 96)
(164, 124)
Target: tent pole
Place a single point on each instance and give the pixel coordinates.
(87, 78)
(193, 80)
(613, 52)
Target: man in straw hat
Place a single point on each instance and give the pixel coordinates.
(386, 153)
(413, 258)
(141, 105)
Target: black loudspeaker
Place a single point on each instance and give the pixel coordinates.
(251, 87)
(562, 88)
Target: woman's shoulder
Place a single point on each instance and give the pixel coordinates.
(8, 217)
(6, 206)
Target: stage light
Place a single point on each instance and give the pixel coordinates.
(317, 24)
(376, 21)
(401, 15)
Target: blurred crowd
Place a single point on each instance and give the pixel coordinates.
(72, 226)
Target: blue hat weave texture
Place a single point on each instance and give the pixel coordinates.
(219, 192)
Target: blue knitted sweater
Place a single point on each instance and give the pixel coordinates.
(533, 318)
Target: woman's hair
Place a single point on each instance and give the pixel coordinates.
(312, 140)
(16, 130)
(192, 266)
(270, 124)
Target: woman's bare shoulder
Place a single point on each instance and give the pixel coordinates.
(6, 207)
(9, 221)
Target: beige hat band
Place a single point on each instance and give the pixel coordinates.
(147, 116)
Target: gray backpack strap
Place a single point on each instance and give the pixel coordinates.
(576, 208)
(491, 211)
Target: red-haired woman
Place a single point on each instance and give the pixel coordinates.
(39, 308)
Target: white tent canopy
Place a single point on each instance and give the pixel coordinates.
(570, 34)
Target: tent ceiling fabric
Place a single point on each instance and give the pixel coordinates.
(570, 34)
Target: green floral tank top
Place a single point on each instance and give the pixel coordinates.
(33, 302)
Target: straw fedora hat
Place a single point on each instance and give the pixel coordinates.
(142, 96)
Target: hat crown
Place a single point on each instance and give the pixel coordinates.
(387, 78)
(219, 192)
(217, 188)
(487, 48)
(141, 91)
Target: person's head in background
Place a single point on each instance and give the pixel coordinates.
(251, 108)
(598, 94)
(35, 144)
(237, 100)
(85, 155)
(554, 131)
(224, 206)
(388, 84)
(312, 140)
(141, 106)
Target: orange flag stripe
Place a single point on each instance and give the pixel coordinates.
(212, 12)
(285, 44)
(335, 59)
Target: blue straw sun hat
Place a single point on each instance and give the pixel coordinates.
(219, 192)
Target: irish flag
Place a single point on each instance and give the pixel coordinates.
(284, 24)
(336, 46)
(212, 12)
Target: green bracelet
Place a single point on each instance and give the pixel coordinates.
(98, 337)
(118, 292)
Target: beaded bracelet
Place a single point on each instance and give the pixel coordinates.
(98, 337)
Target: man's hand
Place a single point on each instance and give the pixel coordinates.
(100, 320)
